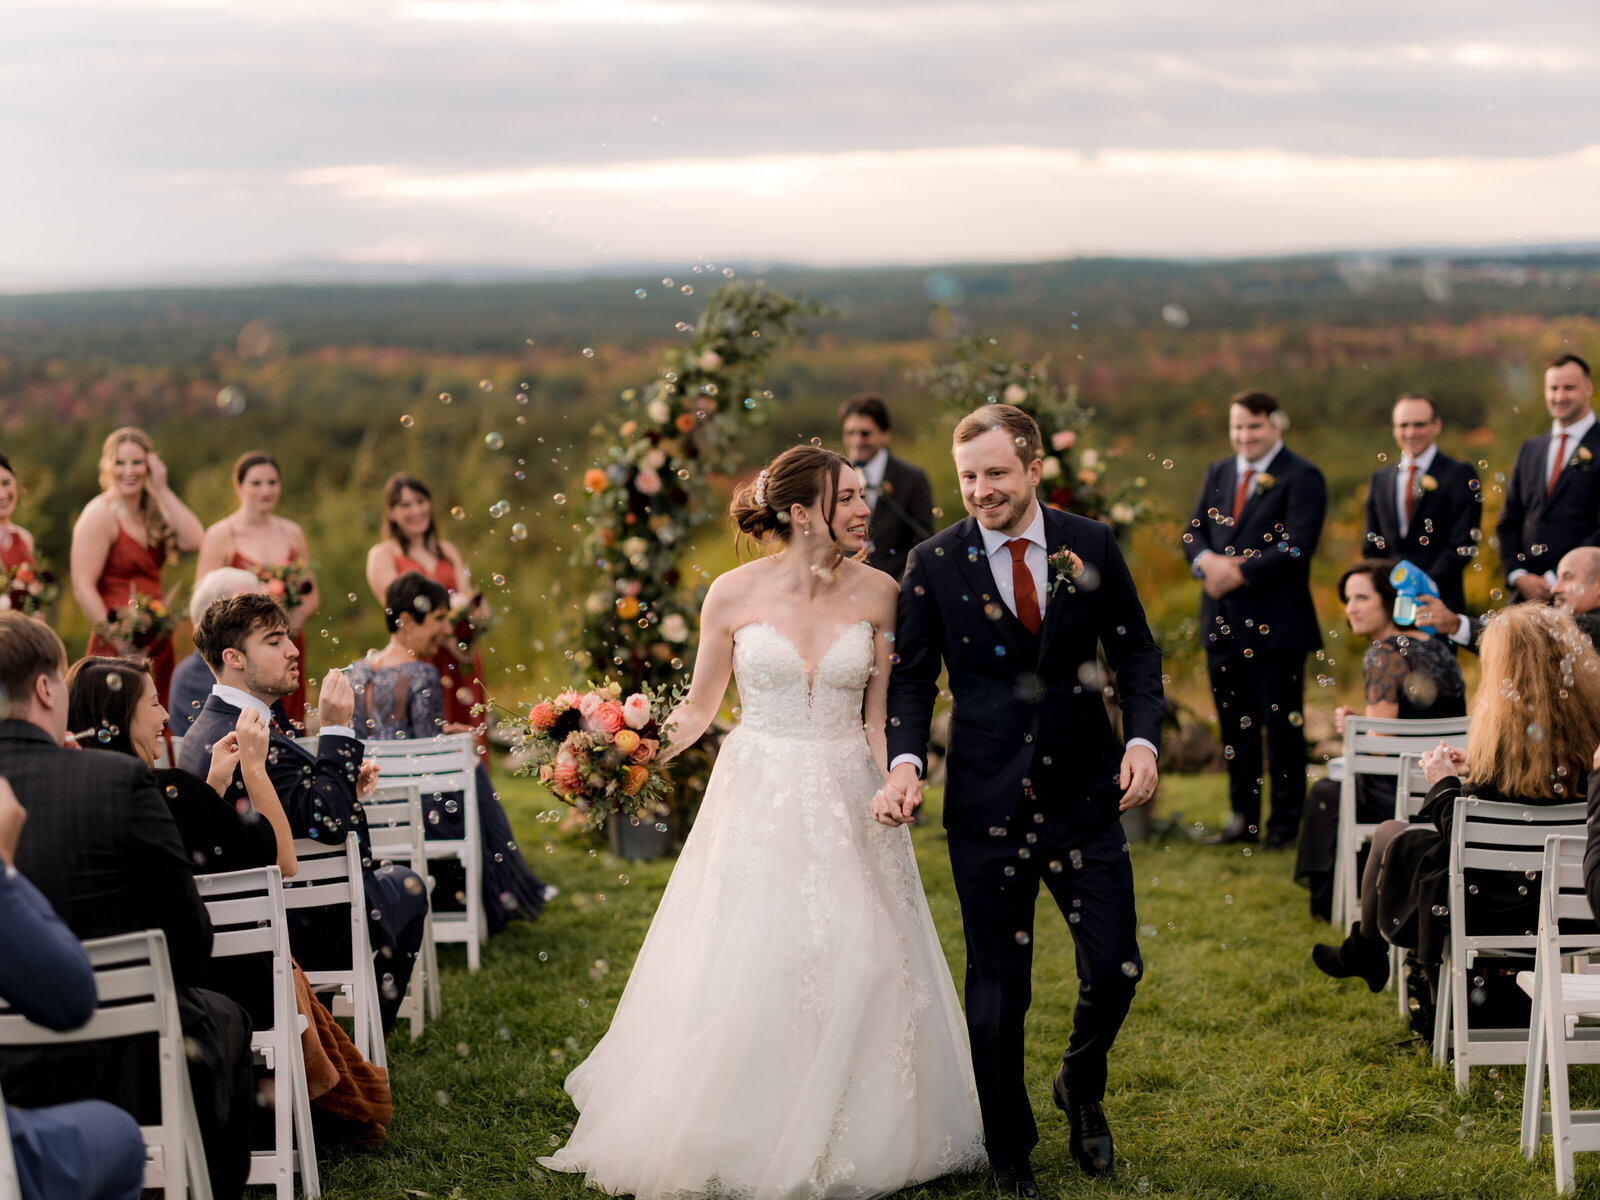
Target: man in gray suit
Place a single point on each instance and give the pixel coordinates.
(898, 493)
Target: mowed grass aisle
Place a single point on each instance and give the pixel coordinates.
(1240, 1072)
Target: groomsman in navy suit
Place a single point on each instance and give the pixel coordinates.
(1424, 508)
(1553, 500)
(1250, 542)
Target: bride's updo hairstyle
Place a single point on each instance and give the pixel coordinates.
(800, 475)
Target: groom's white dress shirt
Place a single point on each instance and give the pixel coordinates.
(1036, 559)
(244, 700)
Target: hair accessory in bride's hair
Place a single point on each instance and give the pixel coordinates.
(761, 488)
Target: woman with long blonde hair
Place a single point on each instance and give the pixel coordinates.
(1535, 726)
(125, 535)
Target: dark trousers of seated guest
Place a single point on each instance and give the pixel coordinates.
(397, 911)
(86, 1150)
(216, 1034)
(1319, 833)
(1256, 698)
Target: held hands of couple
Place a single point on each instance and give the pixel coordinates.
(1138, 777)
(896, 802)
(1442, 762)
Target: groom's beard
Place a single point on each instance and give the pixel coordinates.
(1003, 517)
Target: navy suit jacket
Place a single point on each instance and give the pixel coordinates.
(902, 516)
(1274, 539)
(1535, 530)
(1025, 708)
(44, 973)
(318, 793)
(1439, 541)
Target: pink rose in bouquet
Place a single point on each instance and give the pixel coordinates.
(567, 699)
(636, 711)
(589, 702)
(565, 773)
(607, 717)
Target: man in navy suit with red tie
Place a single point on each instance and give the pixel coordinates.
(1250, 544)
(1553, 499)
(1424, 508)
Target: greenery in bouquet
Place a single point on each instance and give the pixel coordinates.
(28, 589)
(598, 751)
(139, 624)
(288, 583)
(981, 371)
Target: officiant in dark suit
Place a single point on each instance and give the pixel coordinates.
(898, 493)
(245, 641)
(1553, 499)
(1425, 507)
(1250, 543)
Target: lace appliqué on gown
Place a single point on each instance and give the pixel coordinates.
(790, 1030)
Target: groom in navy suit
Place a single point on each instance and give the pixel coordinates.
(1017, 602)
(245, 641)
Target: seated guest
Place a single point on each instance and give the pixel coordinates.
(87, 1150)
(191, 678)
(398, 695)
(102, 847)
(245, 641)
(1576, 589)
(1540, 675)
(1408, 676)
(220, 837)
(115, 700)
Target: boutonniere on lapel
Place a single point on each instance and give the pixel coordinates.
(1265, 482)
(1581, 459)
(1428, 483)
(1065, 568)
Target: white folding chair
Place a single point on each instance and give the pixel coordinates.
(1560, 999)
(1410, 790)
(9, 1188)
(1373, 746)
(136, 996)
(1489, 835)
(330, 877)
(440, 766)
(394, 827)
(248, 917)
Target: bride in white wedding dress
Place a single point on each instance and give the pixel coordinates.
(790, 1030)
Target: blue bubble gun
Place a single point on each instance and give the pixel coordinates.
(1409, 582)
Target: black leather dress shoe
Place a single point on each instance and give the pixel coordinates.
(1236, 830)
(1016, 1180)
(1090, 1142)
(1278, 841)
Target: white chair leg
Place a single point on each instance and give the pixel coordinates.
(430, 954)
(1533, 1077)
(1459, 1028)
(1441, 1012)
(1560, 1097)
(305, 1139)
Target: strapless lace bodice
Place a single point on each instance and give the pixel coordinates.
(779, 696)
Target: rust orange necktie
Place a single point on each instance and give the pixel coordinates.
(1023, 590)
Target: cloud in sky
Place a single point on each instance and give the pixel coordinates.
(146, 136)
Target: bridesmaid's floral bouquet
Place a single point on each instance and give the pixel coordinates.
(140, 623)
(288, 583)
(597, 751)
(27, 589)
(466, 621)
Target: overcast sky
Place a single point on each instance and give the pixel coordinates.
(148, 138)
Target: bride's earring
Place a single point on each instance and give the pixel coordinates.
(806, 530)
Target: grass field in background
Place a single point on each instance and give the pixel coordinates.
(1241, 1071)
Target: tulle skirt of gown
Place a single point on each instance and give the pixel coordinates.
(790, 1029)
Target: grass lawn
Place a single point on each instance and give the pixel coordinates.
(1241, 1071)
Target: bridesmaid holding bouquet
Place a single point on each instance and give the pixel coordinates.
(412, 543)
(125, 535)
(25, 586)
(270, 547)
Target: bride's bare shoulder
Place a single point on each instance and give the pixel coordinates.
(870, 583)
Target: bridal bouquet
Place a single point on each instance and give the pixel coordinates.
(27, 589)
(597, 751)
(140, 623)
(288, 583)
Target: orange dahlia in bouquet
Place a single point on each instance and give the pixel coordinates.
(598, 750)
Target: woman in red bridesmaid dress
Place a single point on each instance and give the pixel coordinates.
(255, 539)
(16, 543)
(413, 544)
(125, 535)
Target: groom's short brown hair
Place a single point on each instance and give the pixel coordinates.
(1023, 429)
(231, 620)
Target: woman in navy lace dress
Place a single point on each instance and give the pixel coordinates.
(398, 695)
